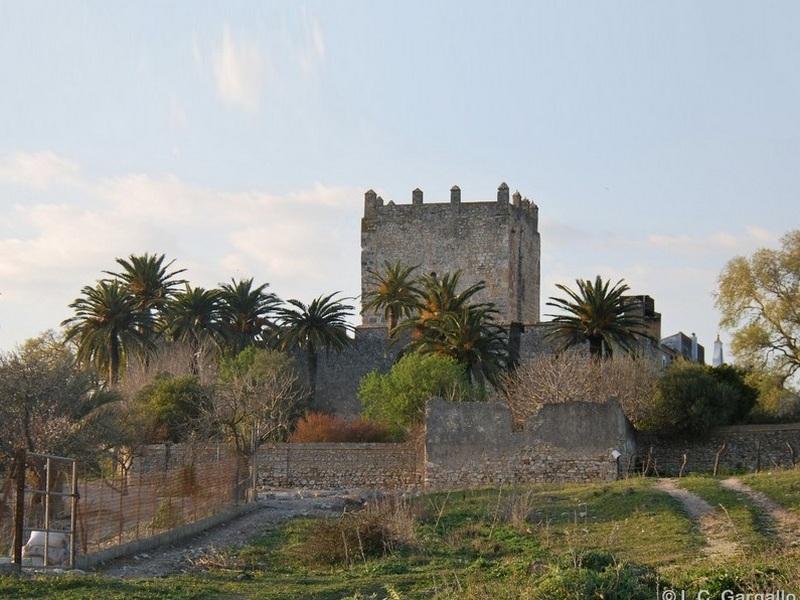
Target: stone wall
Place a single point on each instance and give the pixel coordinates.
(496, 242)
(338, 374)
(331, 466)
(747, 448)
(474, 444)
(466, 444)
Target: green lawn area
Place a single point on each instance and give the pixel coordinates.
(623, 540)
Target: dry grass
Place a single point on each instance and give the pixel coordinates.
(383, 527)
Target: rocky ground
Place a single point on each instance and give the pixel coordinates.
(196, 553)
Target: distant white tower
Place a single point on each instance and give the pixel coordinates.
(717, 359)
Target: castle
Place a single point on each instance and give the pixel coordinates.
(495, 242)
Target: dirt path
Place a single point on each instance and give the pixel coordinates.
(784, 525)
(717, 529)
(191, 554)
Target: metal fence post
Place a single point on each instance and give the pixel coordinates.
(19, 507)
(73, 516)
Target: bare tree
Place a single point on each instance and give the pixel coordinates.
(573, 376)
(257, 400)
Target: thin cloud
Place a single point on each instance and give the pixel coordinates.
(313, 51)
(239, 72)
(718, 242)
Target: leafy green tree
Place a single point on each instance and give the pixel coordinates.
(691, 399)
(759, 299)
(246, 313)
(394, 291)
(775, 403)
(175, 405)
(742, 396)
(258, 399)
(397, 399)
(597, 314)
(108, 327)
(470, 337)
(320, 325)
(194, 316)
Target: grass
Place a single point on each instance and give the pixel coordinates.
(618, 540)
(782, 487)
(749, 523)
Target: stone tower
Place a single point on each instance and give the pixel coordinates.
(496, 242)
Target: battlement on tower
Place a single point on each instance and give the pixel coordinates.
(497, 242)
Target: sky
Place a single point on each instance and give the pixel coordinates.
(659, 139)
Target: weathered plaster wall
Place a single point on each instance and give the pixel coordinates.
(474, 444)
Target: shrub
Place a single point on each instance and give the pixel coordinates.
(597, 575)
(321, 427)
(397, 399)
(175, 405)
(383, 527)
(691, 399)
(574, 375)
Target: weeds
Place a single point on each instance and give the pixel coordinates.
(383, 527)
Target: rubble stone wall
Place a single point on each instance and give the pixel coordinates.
(333, 466)
(736, 449)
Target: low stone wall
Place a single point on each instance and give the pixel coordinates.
(522, 465)
(741, 448)
(467, 444)
(473, 444)
(330, 466)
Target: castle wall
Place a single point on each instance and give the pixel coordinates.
(467, 444)
(332, 466)
(495, 242)
(339, 374)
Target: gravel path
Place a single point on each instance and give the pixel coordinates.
(717, 529)
(785, 525)
(274, 507)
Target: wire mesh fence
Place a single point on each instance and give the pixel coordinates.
(162, 488)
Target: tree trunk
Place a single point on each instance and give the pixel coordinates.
(595, 346)
(312, 372)
(113, 360)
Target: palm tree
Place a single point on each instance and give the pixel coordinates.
(107, 327)
(603, 317)
(194, 316)
(440, 296)
(472, 338)
(320, 325)
(395, 291)
(147, 279)
(246, 313)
